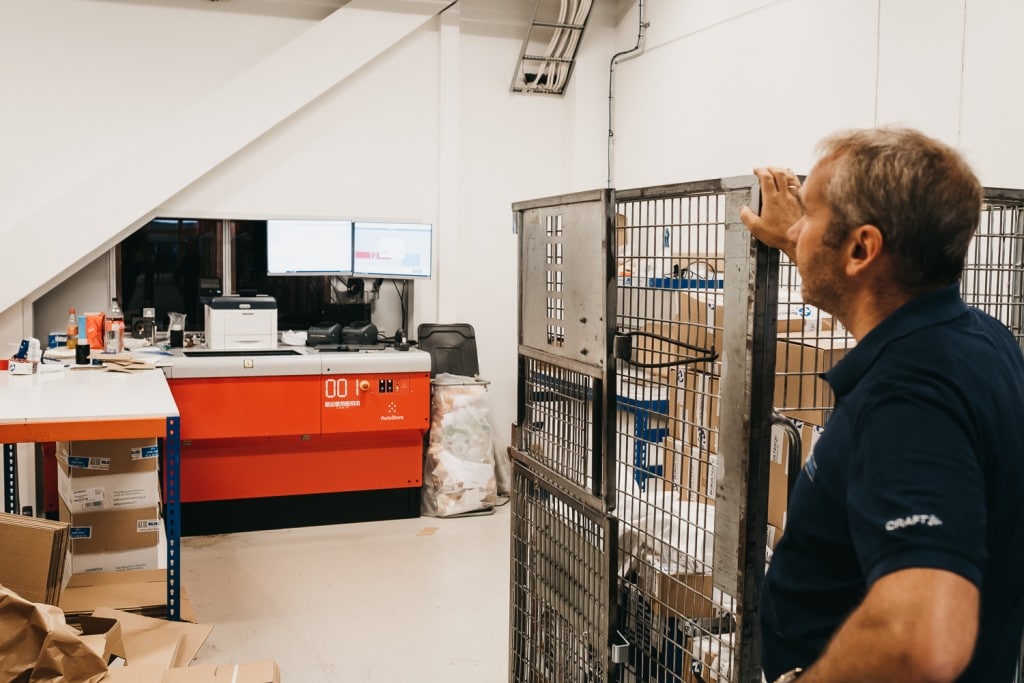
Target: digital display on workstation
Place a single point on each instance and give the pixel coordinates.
(309, 247)
(391, 250)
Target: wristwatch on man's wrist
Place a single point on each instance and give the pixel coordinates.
(789, 676)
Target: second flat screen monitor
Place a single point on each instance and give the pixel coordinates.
(391, 250)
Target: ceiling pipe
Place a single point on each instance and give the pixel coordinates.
(635, 51)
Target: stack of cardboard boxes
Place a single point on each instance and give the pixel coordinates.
(800, 394)
(110, 495)
(808, 345)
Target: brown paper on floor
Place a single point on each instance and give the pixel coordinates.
(36, 642)
(142, 635)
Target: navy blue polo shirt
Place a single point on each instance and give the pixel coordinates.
(921, 465)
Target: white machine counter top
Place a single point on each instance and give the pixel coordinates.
(291, 360)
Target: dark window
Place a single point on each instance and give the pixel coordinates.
(163, 264)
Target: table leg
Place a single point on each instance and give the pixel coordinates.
(172, 515)
(11, 478)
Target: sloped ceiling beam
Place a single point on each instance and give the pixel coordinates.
(130, 187)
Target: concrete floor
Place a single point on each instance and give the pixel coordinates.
(418, 599)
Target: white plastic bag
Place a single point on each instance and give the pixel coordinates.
(458, 469)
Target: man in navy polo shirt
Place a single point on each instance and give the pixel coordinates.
(903, 557)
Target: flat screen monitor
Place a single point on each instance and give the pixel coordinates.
(309, 247)
(391, 250)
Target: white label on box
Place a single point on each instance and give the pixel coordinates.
(816, 433)
(88, 498)
(712, 475)
(148, 525)
(116, 561)
(89, 463)
(145, 452)
(126, 498)
(778, 437)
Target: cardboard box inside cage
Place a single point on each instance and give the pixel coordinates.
(686, 594)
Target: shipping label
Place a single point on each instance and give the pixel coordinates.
(144, 526)
(146, 452)
(89, 498)
(84, 463)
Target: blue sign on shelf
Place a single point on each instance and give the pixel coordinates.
(685, 283)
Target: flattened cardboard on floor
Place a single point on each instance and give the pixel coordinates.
(132, 591)
(141, 634)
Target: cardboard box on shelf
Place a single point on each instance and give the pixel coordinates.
(778, 478)
(116, 561)
(697, 406)
(112, 530)
(687, 594)
(778, 468)
(699, 474)
(109, 456)
(93, 492)
(695, 319)
(799, 361)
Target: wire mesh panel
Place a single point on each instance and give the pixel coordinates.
(562, 609)
(558, 427)
(686, 285)
(993, 277)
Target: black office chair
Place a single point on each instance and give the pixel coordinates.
(452, 348)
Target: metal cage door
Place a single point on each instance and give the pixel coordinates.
(563, 537)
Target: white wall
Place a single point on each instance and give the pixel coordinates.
(725, 86)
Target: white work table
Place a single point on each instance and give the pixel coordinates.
(83, 404)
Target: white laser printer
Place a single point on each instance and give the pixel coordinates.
(241, 322)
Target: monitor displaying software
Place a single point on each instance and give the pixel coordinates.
(391, 250)
(309, 247)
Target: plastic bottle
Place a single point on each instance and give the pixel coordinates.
(82, 348)
(72, 329)
(114, 338)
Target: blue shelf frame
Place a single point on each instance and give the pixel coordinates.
(172, 506)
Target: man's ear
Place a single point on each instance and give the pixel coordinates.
(864, 248)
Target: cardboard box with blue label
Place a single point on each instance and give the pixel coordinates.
(93, 492)
(112, 530)
(109, 456)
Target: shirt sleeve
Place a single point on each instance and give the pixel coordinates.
(917, 494)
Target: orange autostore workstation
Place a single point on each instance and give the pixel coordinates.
(296, 436)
